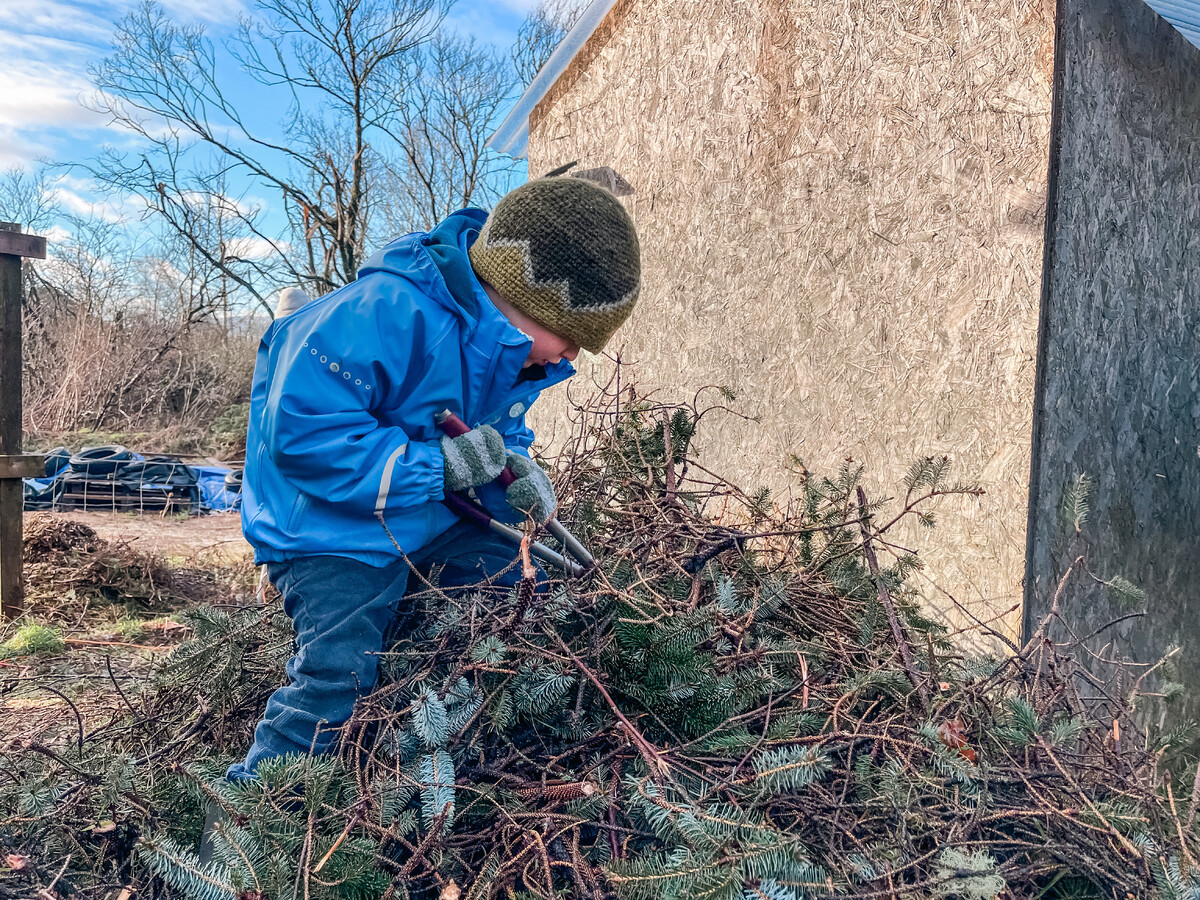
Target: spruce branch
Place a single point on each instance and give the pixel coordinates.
(885, 600)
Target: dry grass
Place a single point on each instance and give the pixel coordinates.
(112, 585)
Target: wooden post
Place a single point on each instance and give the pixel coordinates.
(13, 466)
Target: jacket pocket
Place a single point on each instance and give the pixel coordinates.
(299, 508)
(257, 485)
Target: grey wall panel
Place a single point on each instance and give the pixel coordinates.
(1118, 396)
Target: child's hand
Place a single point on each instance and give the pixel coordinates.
(532, 493)
(473, 458)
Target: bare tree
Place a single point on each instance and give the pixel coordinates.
(541, 32)
(123, 335)
(450, 110)
(351, 75)
(27, 198)
(121, 326)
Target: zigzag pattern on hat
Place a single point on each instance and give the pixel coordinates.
(562, 287)
(565, 253)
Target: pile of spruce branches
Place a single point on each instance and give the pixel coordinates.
(750, 706)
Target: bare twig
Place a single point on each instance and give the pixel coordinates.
(885, 600)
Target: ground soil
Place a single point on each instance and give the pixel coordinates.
(174, 537)
(111, 648)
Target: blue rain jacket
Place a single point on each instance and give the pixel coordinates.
(344, 396)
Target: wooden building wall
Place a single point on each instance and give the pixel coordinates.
(1120, 397)
(841, 214)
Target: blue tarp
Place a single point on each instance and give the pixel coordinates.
(38, 493)
(213, 495)
(209, 493)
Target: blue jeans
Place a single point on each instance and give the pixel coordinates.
(343, 610)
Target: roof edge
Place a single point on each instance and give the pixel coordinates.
(1183, 14)
(512, 135)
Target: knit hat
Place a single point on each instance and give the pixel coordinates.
(565, 253)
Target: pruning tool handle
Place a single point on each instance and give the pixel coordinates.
(477, 514)
(453, 426)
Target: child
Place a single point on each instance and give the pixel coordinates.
(478, 316)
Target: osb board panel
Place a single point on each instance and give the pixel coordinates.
(582, 61)
(1121, 393)
(840, 207)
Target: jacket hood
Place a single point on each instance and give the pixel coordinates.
(437, 263)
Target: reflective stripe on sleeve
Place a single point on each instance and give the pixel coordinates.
(385, 483)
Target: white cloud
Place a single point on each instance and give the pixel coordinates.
(79, 196)
(47, 46)
(254, 248)
(223, 203)
(16, 150)
(93, 20)
(217, 11)
(56, 235)
(39, 96)
(80, 205)
(81, 21)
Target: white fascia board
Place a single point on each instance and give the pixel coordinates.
(1183, 14)
(512, 137)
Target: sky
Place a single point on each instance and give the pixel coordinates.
(47, 45)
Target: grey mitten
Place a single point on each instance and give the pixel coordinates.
(532, 492)
(473, 458)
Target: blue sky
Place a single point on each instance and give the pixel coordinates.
(47, 45)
